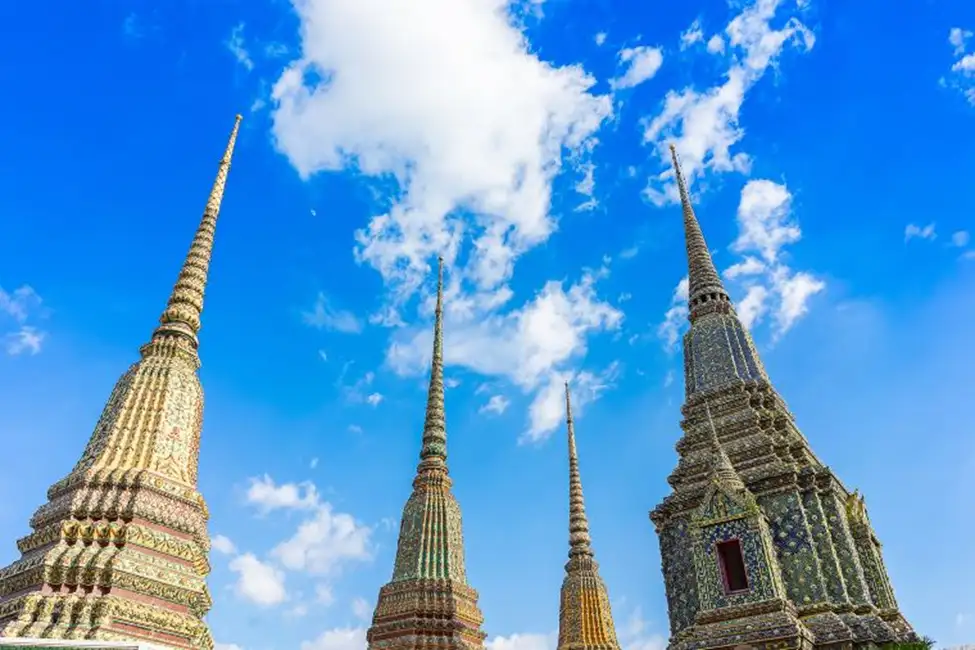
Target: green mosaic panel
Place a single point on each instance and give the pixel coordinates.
(793, 543)
(846, 553)
(823, 544)
(721, 506)
(873, 569)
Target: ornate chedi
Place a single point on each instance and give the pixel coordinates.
(428, 603)
(119, 551)
(761, 544)
(585, 617)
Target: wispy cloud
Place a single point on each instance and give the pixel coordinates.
(17, 308)
(913, 231)
(705, 125)
(324, 316)
(235, 44)
(639, 64)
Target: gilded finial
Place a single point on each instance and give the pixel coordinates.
(185, 305)
(580, 543)
(433, 454)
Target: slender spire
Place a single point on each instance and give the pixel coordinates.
(703, 278)
(722, 470)
(433, 454)
(182, 313)
(580, 543)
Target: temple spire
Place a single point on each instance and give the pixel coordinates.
(580, 543)
(182, 313)
(433, 454)
(585, 615)
(703, 278)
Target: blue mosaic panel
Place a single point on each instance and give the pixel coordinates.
(676, 550)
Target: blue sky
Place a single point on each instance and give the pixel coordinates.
(827, 147)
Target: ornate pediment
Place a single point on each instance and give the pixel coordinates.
(722, 503)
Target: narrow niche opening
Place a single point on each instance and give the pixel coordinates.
(731, 562)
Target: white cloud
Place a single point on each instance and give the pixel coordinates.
(705, 125)
(547, 410)
(715, 44)
(226, 646)
(752, 307)
(965, 65)
(527, 346)
(764, 223)
(765, 226)
(639, 64)
(407, 94)
(634, 634)
(960, 238)
(748, 266)
(629, 253)
(268, 496)
(600, 38)
(361, 608)
(324, 594)
(397, 98)
(668, 378)
(523, 345)
(338, 639)
(690, 36)
(355, 428)
(323, 355)
(20, 304)
(913, 231)
(222, 544)
(794, 291)
(18, 307)
(523, 642)
(962, 76)
(313, 464)
(324, 316)
(359, 391)
(236, 46)
(451, 382)
(498, 404)
(26, 339)
(669, 329)
(958, 38)
(257, 581)
(586, 186)
(324, 542)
